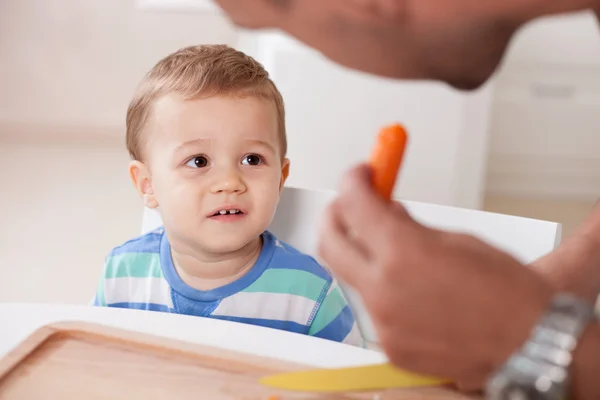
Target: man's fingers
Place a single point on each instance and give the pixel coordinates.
(399, 209)
(338, 249)
(364, 212)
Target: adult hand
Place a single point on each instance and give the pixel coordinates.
(444, 304)
(457, 41)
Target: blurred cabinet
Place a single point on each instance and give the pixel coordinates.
(545, 123)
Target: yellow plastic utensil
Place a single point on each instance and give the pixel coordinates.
(367, 378)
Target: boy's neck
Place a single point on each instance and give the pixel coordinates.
(207, 272)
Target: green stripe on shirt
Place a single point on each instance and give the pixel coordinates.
(289, 281)
(133, 265)
(331, 307)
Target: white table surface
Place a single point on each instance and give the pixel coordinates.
(18, 321)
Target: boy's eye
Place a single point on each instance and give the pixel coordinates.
(252, 159)
(197, 162)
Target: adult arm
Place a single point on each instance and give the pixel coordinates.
(444, 304)
(575, 265)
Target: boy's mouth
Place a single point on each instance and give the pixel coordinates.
(228, 212)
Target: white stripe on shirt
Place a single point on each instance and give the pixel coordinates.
(274, 306)
(138, 290)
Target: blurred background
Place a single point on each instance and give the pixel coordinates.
(526, 144)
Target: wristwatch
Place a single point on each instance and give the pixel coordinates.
(539, 370)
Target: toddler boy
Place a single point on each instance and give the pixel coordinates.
(206, 132)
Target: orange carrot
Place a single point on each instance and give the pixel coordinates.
(386, 159)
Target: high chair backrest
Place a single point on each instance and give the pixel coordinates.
(298, 215)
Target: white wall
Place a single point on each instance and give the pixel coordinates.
(76, 62)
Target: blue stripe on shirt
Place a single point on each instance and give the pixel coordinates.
(339, 328)
(149, 243)
(141, 306)
(268, 323)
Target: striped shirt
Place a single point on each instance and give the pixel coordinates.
(285, 289)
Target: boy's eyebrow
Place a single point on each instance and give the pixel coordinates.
(204, 142)
(195, 142)
(263, 143)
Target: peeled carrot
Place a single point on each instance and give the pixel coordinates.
(386, 159)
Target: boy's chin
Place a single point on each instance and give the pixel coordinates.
(231, 243)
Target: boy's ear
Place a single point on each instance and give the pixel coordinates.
(142, 180)
(285, 172)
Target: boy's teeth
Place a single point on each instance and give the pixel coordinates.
(225, 212)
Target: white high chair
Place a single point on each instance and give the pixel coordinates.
(297, 220)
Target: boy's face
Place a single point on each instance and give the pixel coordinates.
(208, 157)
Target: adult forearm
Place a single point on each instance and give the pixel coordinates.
(575, 265)
(596, 9)
(586, 365)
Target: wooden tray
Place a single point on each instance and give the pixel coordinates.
(77, 360)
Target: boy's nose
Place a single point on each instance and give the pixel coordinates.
(229, 182)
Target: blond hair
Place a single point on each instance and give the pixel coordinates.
(200, 72)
